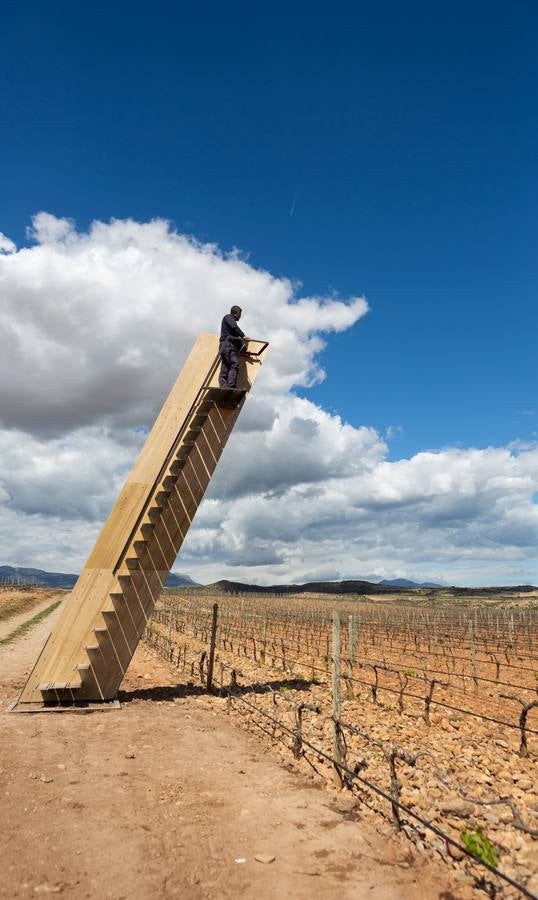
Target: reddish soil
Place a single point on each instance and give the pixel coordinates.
(467, 771)
(167, 798)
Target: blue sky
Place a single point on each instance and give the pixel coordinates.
(386, 150)
(406, 133)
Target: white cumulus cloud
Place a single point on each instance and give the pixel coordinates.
(94, 328)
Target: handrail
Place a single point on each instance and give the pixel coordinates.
(257, 353)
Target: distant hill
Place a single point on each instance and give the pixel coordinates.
(10, 574)
(14, 574)
(357, 587)
(405, 583)
(17, 574)
(175, 579)
(313, 587)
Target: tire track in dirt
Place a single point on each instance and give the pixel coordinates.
(7, 626)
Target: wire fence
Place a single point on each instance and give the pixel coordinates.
(383, 677)
(187, 635)
(18, 583)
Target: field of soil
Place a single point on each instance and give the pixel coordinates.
(18, 605)
(168, 797)
(446, 690)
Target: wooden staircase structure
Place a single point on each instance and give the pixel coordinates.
(87, 654)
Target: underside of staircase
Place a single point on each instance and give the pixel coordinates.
(87, 654)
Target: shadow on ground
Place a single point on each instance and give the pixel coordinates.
(173, 692)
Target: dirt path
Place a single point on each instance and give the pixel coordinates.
(7, 626)
(166, 798)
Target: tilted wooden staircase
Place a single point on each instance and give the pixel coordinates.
(93, 641)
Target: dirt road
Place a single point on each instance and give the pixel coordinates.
(9, 625)
(166, 798)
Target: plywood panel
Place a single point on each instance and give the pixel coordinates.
(118, 526)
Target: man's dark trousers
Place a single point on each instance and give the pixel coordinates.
(229, 366)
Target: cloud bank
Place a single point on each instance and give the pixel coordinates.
(94, 328)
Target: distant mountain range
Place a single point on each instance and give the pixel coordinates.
(176, 579)
(41, 578)
(14, 574)
(405, 583)
(357, 587)
(351, 586)
(17, 574)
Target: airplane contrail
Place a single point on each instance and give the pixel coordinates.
(292, 210)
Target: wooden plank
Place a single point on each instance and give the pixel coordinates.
(118, 526)
(159, 441)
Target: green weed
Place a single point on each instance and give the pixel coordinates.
(479, 845)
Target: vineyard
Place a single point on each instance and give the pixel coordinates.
(429, 715)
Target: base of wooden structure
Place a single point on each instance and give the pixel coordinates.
(79, 706)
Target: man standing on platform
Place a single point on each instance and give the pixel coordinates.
(232, 342)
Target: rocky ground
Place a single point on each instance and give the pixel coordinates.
(167, 797)
(465, 773)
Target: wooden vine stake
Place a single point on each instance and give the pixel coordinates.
(337, 750)
(214, 622)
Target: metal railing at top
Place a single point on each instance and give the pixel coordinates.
(257, 353)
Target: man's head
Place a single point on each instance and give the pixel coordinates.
(236, 312)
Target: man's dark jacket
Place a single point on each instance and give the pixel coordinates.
(230, 333)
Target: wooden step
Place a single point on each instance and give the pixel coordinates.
(58, 686)
(128, 624)
(154, 556)
(83, 668)
(114, 646)
(104, 639)
(169, 482)
(228, 398)
(161, 535)
(127, 617)
(110, 615)
(133, 598)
